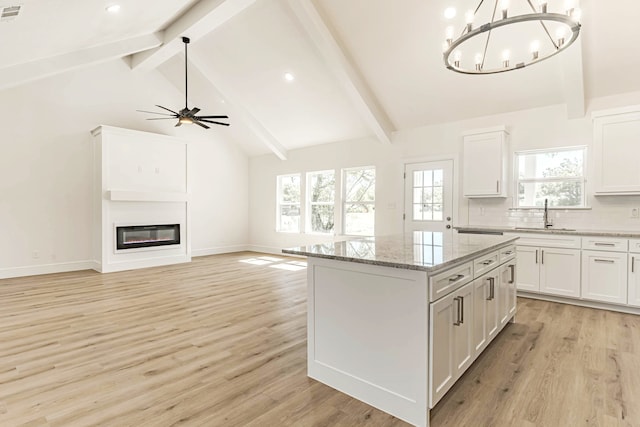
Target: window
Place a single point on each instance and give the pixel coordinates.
(359, 201)
(556, 175)
(321, 191)
(288, 215)
(428, 191)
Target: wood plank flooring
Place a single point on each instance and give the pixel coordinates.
(222, 342)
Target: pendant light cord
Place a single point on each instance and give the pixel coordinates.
(186, 77)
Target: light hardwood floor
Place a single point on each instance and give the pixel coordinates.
(221, 342)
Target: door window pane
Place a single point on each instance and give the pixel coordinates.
(428, 195)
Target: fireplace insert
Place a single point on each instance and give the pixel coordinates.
(144, 236)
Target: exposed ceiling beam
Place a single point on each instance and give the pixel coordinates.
(201, 19)
(18, 74)
(343, 68)
(198, 62)
(573, 80)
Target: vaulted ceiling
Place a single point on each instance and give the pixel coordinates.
(362, 67)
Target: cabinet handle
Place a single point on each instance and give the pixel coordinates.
(491, 288)
(513, 273)
(608, 261)
(487, 262)
(542, 257)
(456, 277)
(508, 252)
(497, 186)
(633, 261)
(536, 256)
(604, 244)
(457, 322)
(461, 309)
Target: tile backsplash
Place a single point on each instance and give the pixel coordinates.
(608, 213)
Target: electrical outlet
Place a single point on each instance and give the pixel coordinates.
(634, 213)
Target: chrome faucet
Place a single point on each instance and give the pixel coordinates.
(545, 218)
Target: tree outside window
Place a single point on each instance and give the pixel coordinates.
(359, 201)
(321, 199)
(288, 216)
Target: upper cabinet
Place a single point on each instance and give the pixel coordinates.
(485, 163)
(616, 146)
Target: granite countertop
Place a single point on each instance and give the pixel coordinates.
(419, 250)
(510, 229)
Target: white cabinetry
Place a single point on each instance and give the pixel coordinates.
(604, 271)
(549, 265)
(485, 309)
(616, 140)
(507, 294)
(633, 283)
(485, 163)
(451, 339)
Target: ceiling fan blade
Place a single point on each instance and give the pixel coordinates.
(211, 121)
(178, 124)
(165, 108)
(212, 117)
(201, 125)
(153, 112)
(161, 118)
(193, 111)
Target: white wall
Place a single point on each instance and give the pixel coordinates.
(530, 129)
(45, 166)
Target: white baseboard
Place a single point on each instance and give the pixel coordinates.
(266, 250)
(581, 302)
(219, 250)
(35, 270)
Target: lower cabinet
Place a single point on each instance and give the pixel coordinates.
(604, 276)
(633, 293)
(507, 294)
(451, 339)
(485, 309)
(549, 270)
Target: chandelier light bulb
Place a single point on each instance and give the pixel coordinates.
(450, 13)
(469, 20)
(560, 34)
(504, 6)
(569, 4)
(457, 56)
(506, 54)
(576, 14)
(449, 34)
(478, 61)
(535, 49)
(445, 46)
(543, 6)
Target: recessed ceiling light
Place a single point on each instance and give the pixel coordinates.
(450, 12)
(289, 77)
(114, 8)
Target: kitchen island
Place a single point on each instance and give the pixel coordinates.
(394, 321)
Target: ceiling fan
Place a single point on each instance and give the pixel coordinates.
(186, 115)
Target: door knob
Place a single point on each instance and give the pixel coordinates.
(448, 226)
(448, 218)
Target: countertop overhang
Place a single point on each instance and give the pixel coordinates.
(583, 232)
(418, 250)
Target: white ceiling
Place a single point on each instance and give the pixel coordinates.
(362, 67)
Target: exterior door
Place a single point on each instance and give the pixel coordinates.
(429, 197)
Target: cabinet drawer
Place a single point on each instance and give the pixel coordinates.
(448, 281)
(485, 263)
(634, 246)
(605, 244)
(507, 253)
(550, 241)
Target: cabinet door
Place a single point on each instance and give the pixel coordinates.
(616, 140)
(512, 294)
(441, 370)
(493, 280)
(480, 303)
(634, 281)
(484, 165)
(560, 272)
(528, 270)
(463, 329)
(604, 276)
(506, 297)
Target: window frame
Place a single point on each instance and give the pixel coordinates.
(280, 202)
(344, 202)
(309, 204)
(582, 179)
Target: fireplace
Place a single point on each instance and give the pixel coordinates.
(144, 236)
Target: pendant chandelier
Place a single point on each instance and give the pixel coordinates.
(513, 36)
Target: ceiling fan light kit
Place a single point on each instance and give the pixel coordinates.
(187, 115)
(567, 28)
